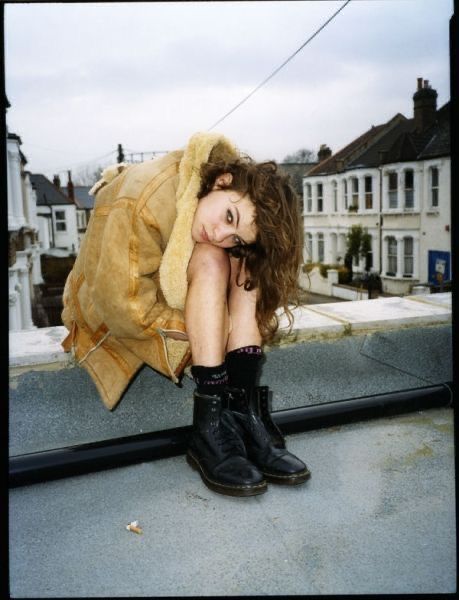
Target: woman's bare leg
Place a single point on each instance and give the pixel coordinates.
(206, 307)
(241, 304)
(215, 448)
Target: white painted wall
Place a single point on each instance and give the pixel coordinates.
(16, 218)
(67, 239)
(427, 227)
(22, 213)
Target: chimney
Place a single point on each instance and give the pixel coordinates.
(70, 190)
(57, 181)
(324, 152)
(425, 105)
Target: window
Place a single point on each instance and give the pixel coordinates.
(320, 197)
(391, 256)
(335, 195)
(309, 246)
(369, 255)
(368, 192)
(408, 257)
(355, 192)
(81, 219)
(409, 191)
(345, 193)
(309, 197)
(59, 217)
(434, 187)
(393, 183)
(321, 247)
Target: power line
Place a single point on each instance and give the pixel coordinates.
(282, 65)
(129, 151)
(86, 162)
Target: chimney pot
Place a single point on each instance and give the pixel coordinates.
(425, 106)
(324, 152)
(419, 83)
(70, 188)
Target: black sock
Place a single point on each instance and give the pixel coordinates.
(210, 380)
(243, 365)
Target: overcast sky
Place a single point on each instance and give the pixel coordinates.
(82, 78)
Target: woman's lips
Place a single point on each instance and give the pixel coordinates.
(204, 235)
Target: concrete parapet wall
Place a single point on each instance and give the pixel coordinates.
(334, 351)
(336, 319)
(41, 348)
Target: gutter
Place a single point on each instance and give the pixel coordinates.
(48, 465)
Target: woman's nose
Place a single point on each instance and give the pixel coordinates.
(221, 232)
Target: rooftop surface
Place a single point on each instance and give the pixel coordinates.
(377, 515)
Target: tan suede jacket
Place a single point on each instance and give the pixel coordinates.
(127, 289)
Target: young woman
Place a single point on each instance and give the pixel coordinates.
(186, 259)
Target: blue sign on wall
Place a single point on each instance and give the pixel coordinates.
(439, 266)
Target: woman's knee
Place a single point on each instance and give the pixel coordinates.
(209, 261)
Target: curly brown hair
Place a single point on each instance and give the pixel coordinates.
(274, 260)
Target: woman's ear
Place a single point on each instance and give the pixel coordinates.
(223, 180)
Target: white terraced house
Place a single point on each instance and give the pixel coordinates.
(394, 180)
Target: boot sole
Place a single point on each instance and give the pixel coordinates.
(287, 479)
(227, 490)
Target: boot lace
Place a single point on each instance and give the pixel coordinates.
(226, 434)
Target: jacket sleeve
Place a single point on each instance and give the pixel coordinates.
(126, 290)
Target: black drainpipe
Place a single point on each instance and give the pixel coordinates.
(36, 467)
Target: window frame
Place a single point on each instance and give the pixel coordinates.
(308, 246)
(60, 223)
(355, 191)
(392, 192)
(391, 241)
(408, 193)
(81, 219)
(368, 193)
(408, 257)
(320, 197)
(308, 197)
(433, 188)
(320, 247)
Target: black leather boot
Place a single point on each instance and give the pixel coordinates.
(216, 450)
(263, 440)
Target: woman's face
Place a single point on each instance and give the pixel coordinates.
(224, 218)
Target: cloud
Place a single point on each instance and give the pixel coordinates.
(84, 77)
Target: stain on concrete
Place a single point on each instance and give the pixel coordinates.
(423, 452)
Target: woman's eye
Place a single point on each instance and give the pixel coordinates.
(229, 216)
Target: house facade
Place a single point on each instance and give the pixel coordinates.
(57, 218)
(24, 271)
(296, 173)
(395, 181)
(84, 203)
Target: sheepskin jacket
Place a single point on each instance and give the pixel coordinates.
(128, 286)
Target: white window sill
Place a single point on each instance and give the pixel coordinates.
(411, 278)
(400, 211)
